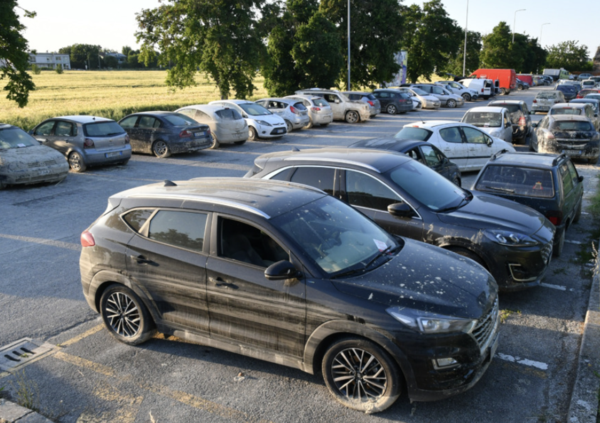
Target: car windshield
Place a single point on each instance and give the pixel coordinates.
(228, 114)
(484, 119)
(254, 109)
(103, 129)
(516, 181)
(337, 237)
(177, 119)
(546, 95)
(300, 106)
(412, 133)
(573, 125)
(565, 111)
(418, 91)
(427, 186)
(15, 138)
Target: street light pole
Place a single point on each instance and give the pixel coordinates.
(465, 48)
(541, 29)
(348, 45)
(515, 23)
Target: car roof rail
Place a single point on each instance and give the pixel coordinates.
(498, 154)
(169, 183)
(558, 158)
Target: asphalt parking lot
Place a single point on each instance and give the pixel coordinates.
(90, 377)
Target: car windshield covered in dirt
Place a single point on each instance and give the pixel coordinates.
(516, 180)
(572, 126)
(15, 138)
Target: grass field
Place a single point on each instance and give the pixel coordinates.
(109, 94)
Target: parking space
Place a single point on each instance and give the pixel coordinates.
(92, 378)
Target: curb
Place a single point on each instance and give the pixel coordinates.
(583, 407)
(14, 413)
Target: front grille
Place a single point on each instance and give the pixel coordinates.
(546, 252)
(485, 326)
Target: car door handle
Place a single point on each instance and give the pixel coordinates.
(142, 260)
(222, 284)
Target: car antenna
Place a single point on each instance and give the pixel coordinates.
(169, 183)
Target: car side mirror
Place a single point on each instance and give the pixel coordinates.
(489, 142)
(337, 102)
(281, 270)
(400, 210)
(244, 115)
(30, 132)
(580, 179)
(534, 124)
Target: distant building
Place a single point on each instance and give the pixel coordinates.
(50, 60)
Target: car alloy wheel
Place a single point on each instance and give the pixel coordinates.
(466, 96)
(289, 126)
(76, 162)
(352, 117)
(391, 109)
(161, 149)
(215, 143)
(309, 125)
(451, 103)
(252, 135)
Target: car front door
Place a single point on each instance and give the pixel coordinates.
(244, 306)
(452, 144)
(44, 133)
(64, 136)
(146, 128)
(478, 150)
(569, 189)
(336, 106)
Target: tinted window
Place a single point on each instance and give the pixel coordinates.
(512, 108)
(181, 229)
(300, 106)
(128, 122)
(320, 102)
(284, 175)
(517, 181)
(438, 90)
(430, 155)
(15, 138)
(573, 172)
(451, 135)
(102, 129)
(567, 179)
(484, 119)
(64, 129)
(179, 120)
(365, 191)
(572, 125)
(382, 95)
(331, 98)
(45, 128)
(137, 218)
(370, 97)
(412, 133)
(414, 154)
(228, 114)
(318, 177)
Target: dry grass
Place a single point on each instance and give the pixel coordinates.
(112, 94)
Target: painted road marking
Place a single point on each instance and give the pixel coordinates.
(523, 361)
(85, 334)
(43, 241)
(574, 242)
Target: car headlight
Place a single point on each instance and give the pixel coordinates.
(263, 123)
(427, 322)
(510, 238)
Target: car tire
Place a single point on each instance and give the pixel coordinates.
(468, 254)
(76, 162)
(240, 142)
(578, 212)
(309, 125)
(381, 368)
(352, 117)
(561, 244)
(520, 88)
(391, 109)
(125, 315)
(161, 149)
(451, 103)
(288, 126)
(215, 144)
(252, 134)
(486, 97)
(466, 96)
(325, 125)
(3, 185)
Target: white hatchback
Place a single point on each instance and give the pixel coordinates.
(464, 144)
(261, 122)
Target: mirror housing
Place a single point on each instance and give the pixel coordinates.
(30, 132)
(400, 210)
(281, 270)
(580, 179)
(534, 124)
(489, 142)
(337, 102)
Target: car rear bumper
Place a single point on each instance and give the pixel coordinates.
(585, 150)
(190, 145)
(321, 118)
(107, 156)
(300, 122)
(231, 137)
(365, 114)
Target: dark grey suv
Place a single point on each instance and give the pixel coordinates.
(285, 273)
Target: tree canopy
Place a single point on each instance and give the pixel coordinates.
(14, 56)
(83, 56)
(568, 55)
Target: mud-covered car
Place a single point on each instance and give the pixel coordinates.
(24, 161)
(518, 113)
(574, 136)
(545, 99)
(351, 111)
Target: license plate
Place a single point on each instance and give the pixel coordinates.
(200, 134)
(44, 172)
(115, 154)
(280, 131)
(572, 152)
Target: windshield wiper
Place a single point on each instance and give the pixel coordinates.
(380, 254)
(348, 273)
(501, 189)
(462, 202)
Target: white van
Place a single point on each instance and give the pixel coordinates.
(484, 87)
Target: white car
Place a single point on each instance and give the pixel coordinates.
(483, 87)
(261, 122)
(495, 121)
(464, 144)
(588, 83)
(293, 112)
(319, 110)
(227, 126)
(457, 88)
(427, 101)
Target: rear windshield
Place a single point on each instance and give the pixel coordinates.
(179, 120)
(371, 97)
(547, 95)
(254, 109)
(512, 108)
(15, 138)
(514, 180)
(300, 106)
(103, 129)
(565, 111)
(320, 102)
(419, 91)
(569, 88)
(573, 125)
(484, 119)
(412, 133)
(228, 114)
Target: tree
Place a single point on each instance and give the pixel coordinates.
(496, 52)
(82, 55)
(375, 34)
(111, 61)
(455, 62)
(568, 55)
(218, 37)
(14, 59)
(430, 39)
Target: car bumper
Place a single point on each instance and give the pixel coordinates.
(232, 137)
(431, 105)
(26, 176)
(190, 145)
(374, 111)
(107, 156)
(321, 118)
(270, 131)
(587, 150)
(365, 115)
(300, 122)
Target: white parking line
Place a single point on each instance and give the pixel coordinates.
(574, 242)
(584, 213)
(523, 361)
(559, 287)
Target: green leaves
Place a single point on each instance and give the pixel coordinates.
(568, 55)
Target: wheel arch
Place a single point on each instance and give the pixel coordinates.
(453, 243)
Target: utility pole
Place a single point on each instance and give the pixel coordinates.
(465, 48)
(348, 45)
(541, 29)
(515, 23)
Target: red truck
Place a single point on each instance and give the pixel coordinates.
(507, 78)
(526, 78)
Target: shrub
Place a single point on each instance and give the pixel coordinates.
(36, 69)
(59, 69)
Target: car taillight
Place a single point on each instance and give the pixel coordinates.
(293, 110)
(126, 139)
(534, 100)
(185, 134)
(88, 143)
(555, 218)
(482, 90)
(208, 131)
(315, 109)
(550, 136)
(371, 103)
(87, 239)
(522, 121)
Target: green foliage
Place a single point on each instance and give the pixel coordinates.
(27, 391)
(82, 55)
(568, 55)
(431, 38)
(219, 37)
(375, 34)
(111, 62)
(59, 69)
(13, 52)
(35, 69)
(455, 62)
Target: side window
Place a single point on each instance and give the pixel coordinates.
(573, 172)
(332, 98)
(177, 228)
(284, 175)
(567, 180)
(248, 244)
(136, 218)
(474, 136)
(201, 116)
(430, 155)
(415, 154)
(318, 177)
(45, 128)
(147, 122)
(129, 122)
(64, 129)
(506, 121)
(364, 191)
(451, 135)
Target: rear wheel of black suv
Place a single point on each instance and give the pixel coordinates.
(361, 375)
(125, 315)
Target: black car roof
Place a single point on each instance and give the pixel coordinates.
(540, 160)
(260, 197)
(377, 161)
(389, 143)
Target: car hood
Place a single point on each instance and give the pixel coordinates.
(425, 277)
(272, 119)
(486, 211)
(31, 157)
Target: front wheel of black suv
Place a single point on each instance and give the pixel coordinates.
(361, 375)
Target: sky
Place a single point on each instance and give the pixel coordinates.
(111, 23)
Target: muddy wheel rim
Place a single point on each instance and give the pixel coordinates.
(288, 126)
(75, 161)
(358, 375)
(391, 110)
(122, 315)
(352, 117)
(451, 103)
(160, 148)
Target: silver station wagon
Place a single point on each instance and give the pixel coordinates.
(85, 140)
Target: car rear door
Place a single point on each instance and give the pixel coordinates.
(146, 128)
(384, 99)
(479, 151)
(453, 145)
(129, 125)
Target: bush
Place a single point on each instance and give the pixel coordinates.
(36, 69)
(59, 69)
